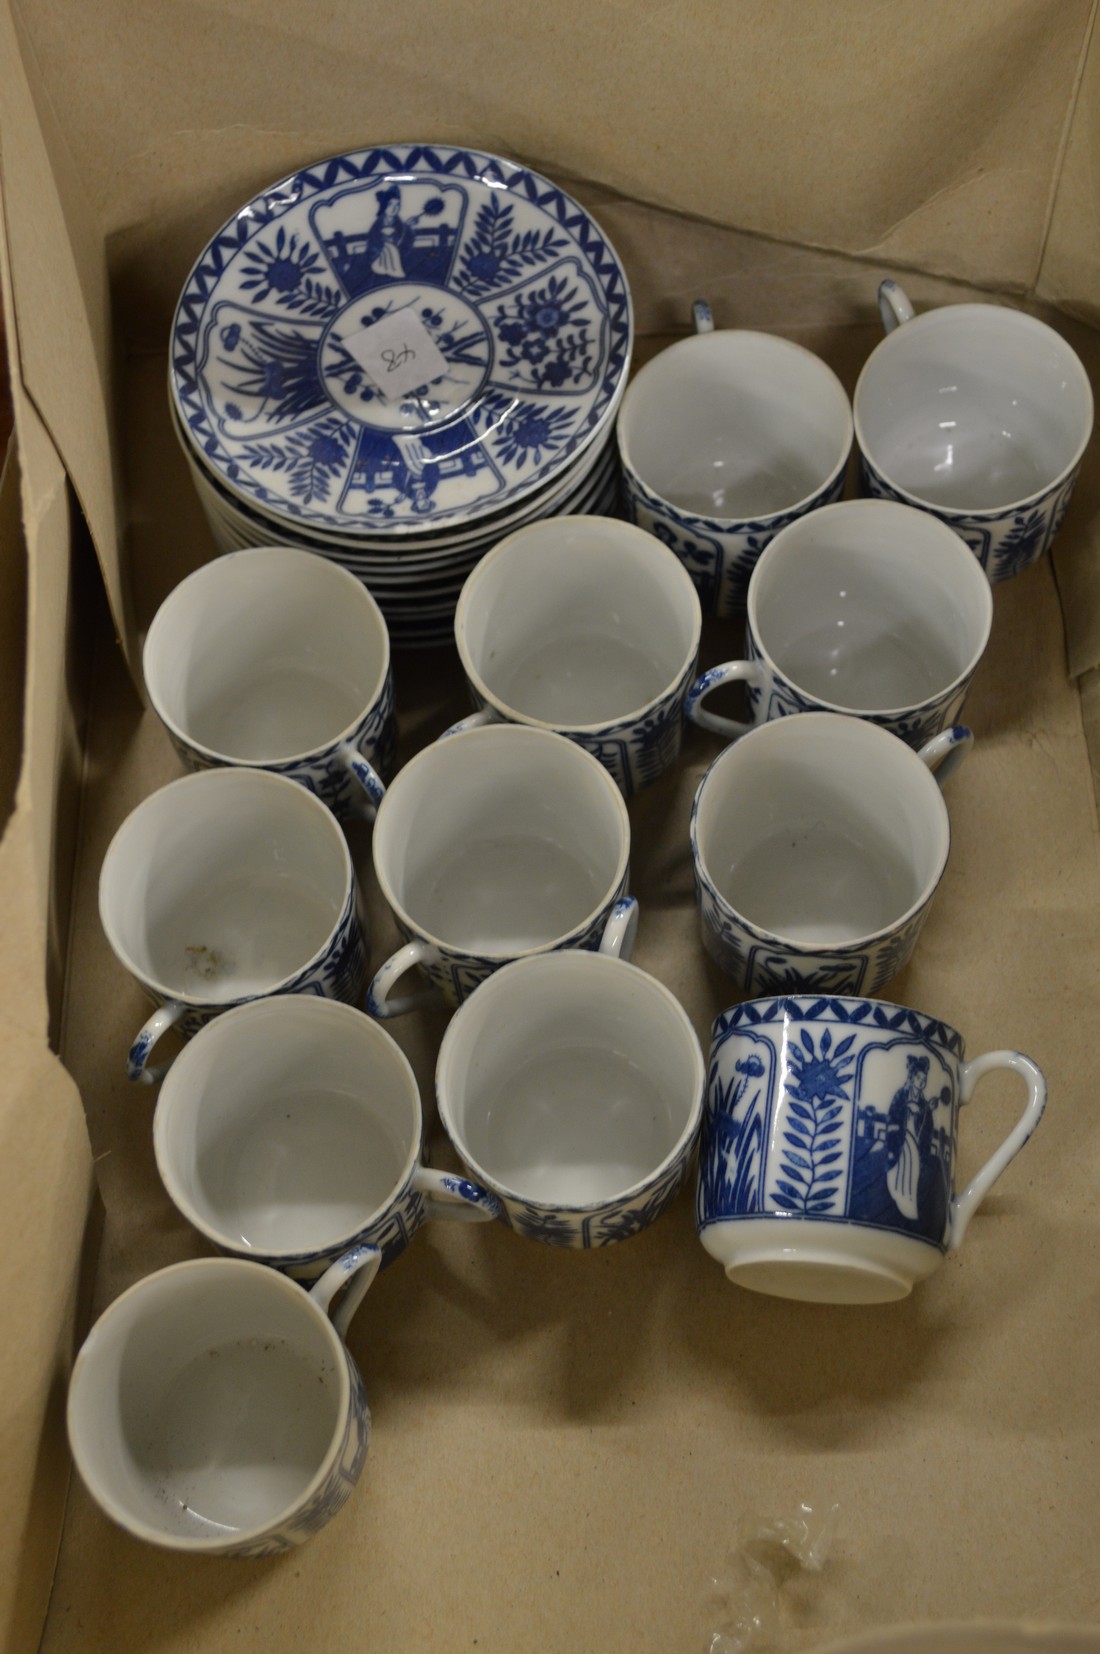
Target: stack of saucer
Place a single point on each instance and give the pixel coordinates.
(396, 357)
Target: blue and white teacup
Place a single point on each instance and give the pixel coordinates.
(279, 660)
(865, 607)
(214, 1407)
(224, 887)
(979, 414)
(491, 844)
(827, 1166)
(571, 1086)
(725, 438)
(818, 842)
(290, 1131)
(589, 627)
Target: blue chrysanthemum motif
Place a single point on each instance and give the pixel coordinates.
(473, 271)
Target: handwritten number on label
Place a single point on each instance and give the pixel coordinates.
(397, 358)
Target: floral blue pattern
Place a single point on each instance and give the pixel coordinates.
(777, 697)
(615, 1220)
(760, 963)
(1005, 543)
(336, 1489)
(329, 773)
(720, 559)
(508, 277)
(339, 973)
(455, 974)
(838, 1109)
(636, 751)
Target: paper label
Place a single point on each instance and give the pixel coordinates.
(398, 353)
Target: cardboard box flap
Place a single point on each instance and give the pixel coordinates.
(59, 320)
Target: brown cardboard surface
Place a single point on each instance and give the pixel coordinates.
(752, 113)
(45, 1162)
(563, 1442)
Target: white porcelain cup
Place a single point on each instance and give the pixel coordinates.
(280, 660)
(214, 1407)
(290, 1130)
(979, 414)
(589, 627)
(490, 844)
(570, 1085)
(226, 886)
(818, 843)
(828, 1162)
(725, 438)
(865, 607)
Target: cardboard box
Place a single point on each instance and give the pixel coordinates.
(563, 1442)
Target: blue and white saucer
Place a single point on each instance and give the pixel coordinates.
(399, 340)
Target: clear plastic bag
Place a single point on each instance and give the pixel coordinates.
(742, 1605)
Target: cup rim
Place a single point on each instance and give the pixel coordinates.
(162, 620)
(450, 950)
(744, 1008)
(311, 1006)
(83, 1372)
(852, 944)
(568, 962)
(221, 777)
(512, 714)
(1019, 319)
(702, 341)
(981, 587)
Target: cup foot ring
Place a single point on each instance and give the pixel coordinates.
(824, 1278)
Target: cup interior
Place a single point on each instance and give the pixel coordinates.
(870, 606)
(735, 425)
(821, 830)
(287, 1127)
(497, 840)
(973, 407)
(224, 885)
(569, 1080)
(266, 655)
(205, 1402)
(577, 622)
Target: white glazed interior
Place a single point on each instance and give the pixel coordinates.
(500, 839)
(973, 407)
(266, 655)
(821, 829)
(206, 1403)
(569, 1080)
(735, 425)
(287, 1126)
(223, 885)
(576, 622)
(870, 606)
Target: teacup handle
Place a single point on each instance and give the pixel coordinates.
(946, 751)
(137, 1060)
(448, 1195)
(621, 928)
(701, 318)
(732, 671)
(477, 720)
(355, 1271)
(379, 1003)
(965, 1205)
(368, 778)
(893, 305)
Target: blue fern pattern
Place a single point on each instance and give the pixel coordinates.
(810, 1165)
(496, 255)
